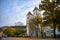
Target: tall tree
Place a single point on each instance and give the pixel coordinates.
(51, 13)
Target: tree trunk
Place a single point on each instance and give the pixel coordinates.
(41, 32)
(54, 32)
(37, 30)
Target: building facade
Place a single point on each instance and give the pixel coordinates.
(32, 29)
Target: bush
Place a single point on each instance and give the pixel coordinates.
(19, 33)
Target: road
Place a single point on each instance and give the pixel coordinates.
(10, 38)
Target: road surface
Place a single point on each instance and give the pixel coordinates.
(13, 38)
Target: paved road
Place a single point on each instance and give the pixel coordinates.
(27, 39)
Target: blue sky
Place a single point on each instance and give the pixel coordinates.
(12, 11)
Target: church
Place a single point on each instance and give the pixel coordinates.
(33, 29)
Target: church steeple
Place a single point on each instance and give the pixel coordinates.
(35, 9)
(29, 13)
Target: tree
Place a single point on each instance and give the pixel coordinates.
(10, 31)
(51, 13)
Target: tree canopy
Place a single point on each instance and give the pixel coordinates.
(51, 13)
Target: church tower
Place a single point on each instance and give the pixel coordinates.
(36, 11)
(29, 17)
(37, 15)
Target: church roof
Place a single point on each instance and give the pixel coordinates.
(35, 8)
(29, 13)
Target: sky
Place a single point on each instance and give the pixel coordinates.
(12, 11)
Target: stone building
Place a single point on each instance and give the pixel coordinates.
(32, 29)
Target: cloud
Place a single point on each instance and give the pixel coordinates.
(24, 9)
(18, 10)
